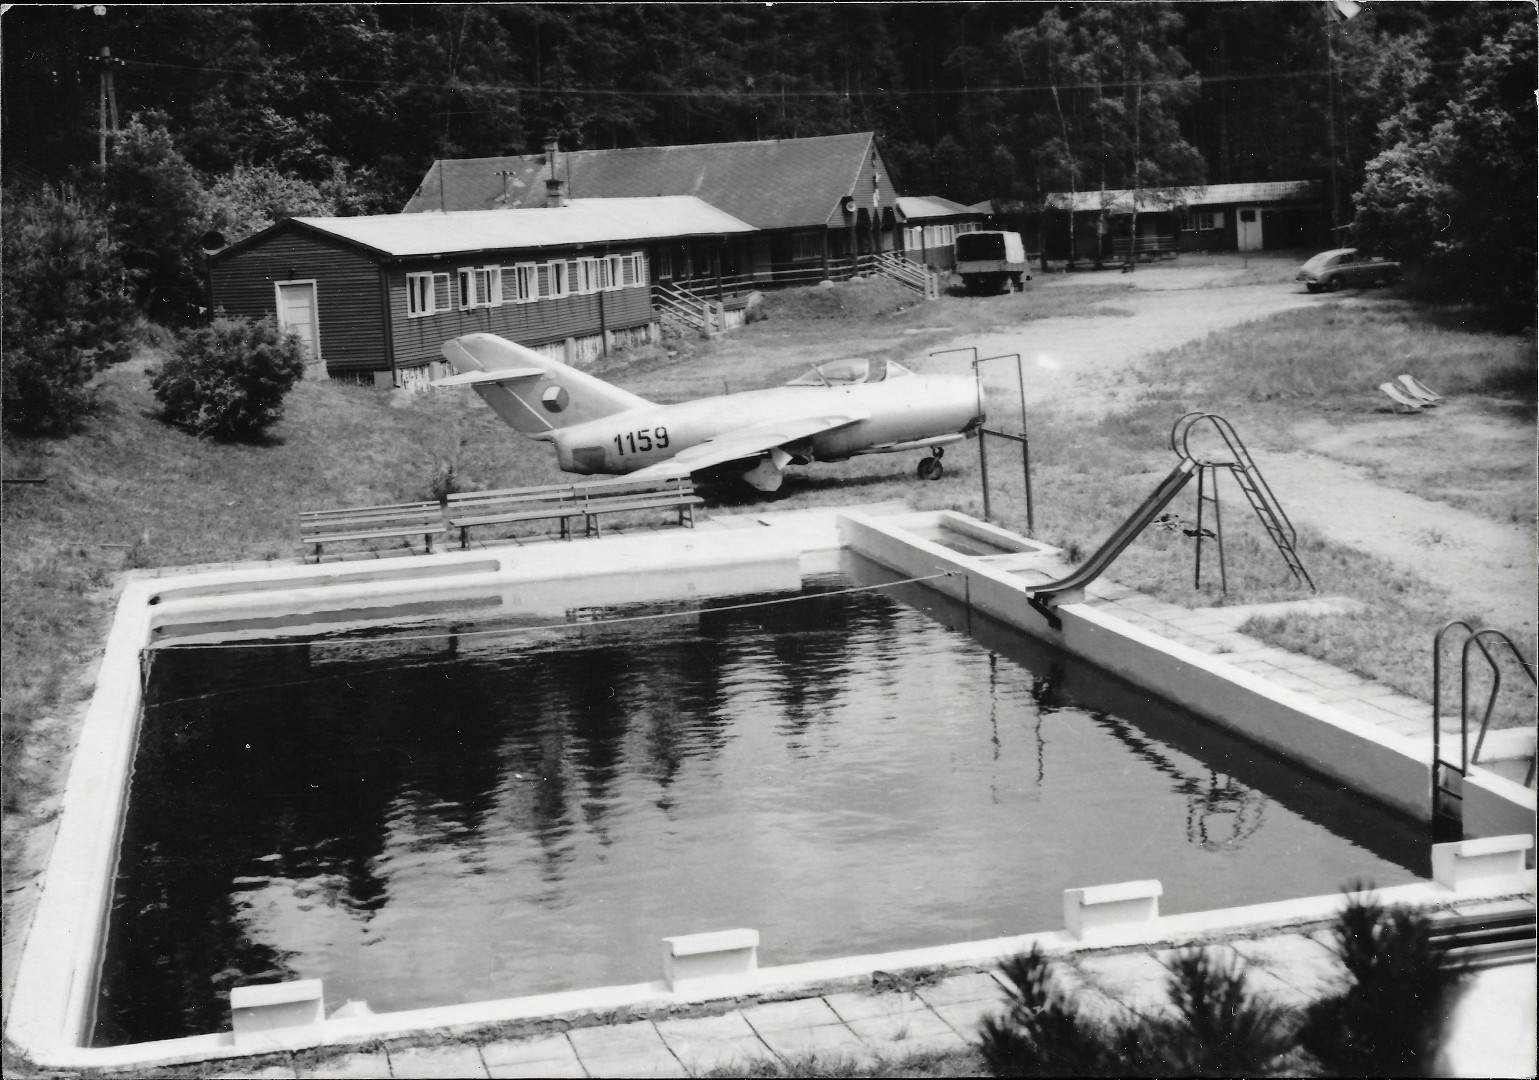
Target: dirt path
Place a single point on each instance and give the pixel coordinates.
(1484, 564)
(1085, 364)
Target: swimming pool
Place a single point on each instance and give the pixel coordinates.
(454, 813)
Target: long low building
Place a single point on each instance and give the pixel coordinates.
(375, 297)
(1100, 225)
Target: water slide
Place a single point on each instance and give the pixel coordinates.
(1042, 596)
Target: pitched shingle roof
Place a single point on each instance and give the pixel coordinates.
(582, 221)
(778, 183)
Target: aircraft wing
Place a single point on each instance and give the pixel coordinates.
(500, 375)
(747, 443)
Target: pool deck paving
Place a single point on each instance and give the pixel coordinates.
(1491, 1033)
(1491, 1030)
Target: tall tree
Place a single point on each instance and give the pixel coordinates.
(1455, 177)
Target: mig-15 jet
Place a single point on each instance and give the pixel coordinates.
(833, 412)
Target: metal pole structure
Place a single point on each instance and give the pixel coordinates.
(1020, 382)
(983, 471)
(101, 111)
(1202, 487)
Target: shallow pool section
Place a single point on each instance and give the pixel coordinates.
(457, 815)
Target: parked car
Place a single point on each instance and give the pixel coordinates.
(1343, 267)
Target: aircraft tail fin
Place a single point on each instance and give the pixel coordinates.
(528, 390)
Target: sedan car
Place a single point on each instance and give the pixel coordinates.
(1347, 267)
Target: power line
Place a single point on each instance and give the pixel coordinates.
(1202, 80)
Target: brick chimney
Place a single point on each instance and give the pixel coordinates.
(555, 189)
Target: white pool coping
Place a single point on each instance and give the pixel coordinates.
(53, 1003)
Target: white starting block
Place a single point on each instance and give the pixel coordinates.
(1483, 863)
(277, 1016)
(697, 962)
(1100, 908)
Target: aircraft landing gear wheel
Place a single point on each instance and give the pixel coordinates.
(930, 468)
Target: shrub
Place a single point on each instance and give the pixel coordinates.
(1215, 1027)
(65, 313)
(228, 380)
(1388, 1021)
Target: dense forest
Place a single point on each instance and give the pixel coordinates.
(1417, 119)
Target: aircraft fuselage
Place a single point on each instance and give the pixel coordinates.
(900, 411)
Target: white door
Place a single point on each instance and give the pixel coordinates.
(296, 313)
(1249, 223)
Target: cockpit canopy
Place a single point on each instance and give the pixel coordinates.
(851, 372)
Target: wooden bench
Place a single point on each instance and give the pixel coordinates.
(321, 527)
(614, 496)
(467, 509)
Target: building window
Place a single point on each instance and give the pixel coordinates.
(427, 293)
(806, 247)
(586, 276)
(520, 284)
(489, 286)
(480, 286)
(614, 270)
(419, 295)
(1210, 219)
(556, 280)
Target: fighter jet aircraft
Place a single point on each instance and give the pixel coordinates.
(834, 412)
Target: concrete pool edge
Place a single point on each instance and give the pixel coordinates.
(54, 990)
(53, 996)
(1385, 765)
(523, 1017)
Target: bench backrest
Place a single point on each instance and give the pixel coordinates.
(471, 500)
(585, 492)
(671, 485)
(427, 516)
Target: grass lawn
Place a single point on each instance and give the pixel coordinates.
(128, 492)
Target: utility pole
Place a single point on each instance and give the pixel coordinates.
(107, 105)
(505, 173)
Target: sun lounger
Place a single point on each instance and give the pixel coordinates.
(1400, 400)
(1418, 390)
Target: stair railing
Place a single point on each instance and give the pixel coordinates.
(1444, 795)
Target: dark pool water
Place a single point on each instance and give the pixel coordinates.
(448, 819)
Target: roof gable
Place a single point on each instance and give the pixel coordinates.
(777, 183)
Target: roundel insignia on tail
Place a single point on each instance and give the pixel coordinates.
(555, 398)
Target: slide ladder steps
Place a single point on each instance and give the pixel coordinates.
(1258, 493)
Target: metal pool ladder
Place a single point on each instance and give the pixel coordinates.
(1448, 773)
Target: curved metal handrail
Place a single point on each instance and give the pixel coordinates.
(1474, 639)
(1180, 444)
(1496, 679)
